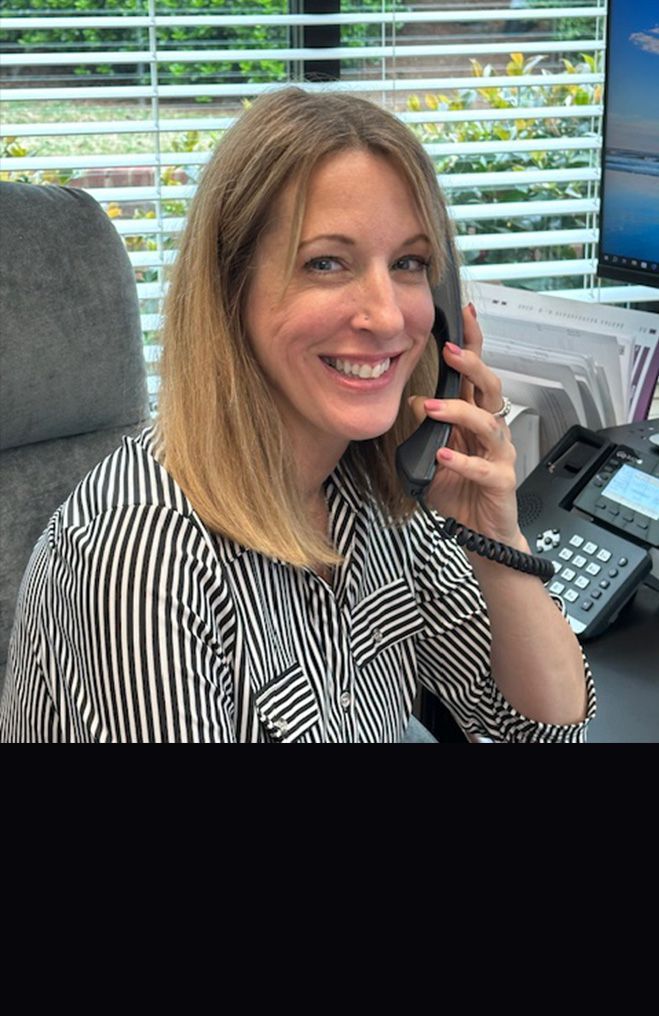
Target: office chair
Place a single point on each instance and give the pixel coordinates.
(73, 378)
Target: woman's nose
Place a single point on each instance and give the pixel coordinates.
(378, 309)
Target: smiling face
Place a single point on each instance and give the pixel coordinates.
(340, 337)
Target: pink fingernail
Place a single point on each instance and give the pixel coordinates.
(452, 348)
(446, 454)
(434, 405)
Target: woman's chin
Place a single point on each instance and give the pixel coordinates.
(367, 429)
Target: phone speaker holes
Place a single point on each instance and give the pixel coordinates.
(529, 508)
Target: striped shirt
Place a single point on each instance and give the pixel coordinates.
(136, 623)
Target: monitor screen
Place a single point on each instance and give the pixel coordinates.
(629, 219)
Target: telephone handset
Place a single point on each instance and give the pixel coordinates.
(416, 460)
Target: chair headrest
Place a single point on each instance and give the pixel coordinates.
(70, 343)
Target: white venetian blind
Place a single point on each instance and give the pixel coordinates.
(126, 99)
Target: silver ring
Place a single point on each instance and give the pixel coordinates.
(505, 409)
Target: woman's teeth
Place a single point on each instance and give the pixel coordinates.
(363, 370)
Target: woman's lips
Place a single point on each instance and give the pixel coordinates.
(363, 372)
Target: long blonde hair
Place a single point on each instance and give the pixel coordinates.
(223, 440)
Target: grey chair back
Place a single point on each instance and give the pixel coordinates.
(72, 372)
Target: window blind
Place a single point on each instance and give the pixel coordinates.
(506, 97)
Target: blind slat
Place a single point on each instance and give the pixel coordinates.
(517, 209)
(530, 239)
(429, 84)
(70, 128)
(226, 20)
(298, 54)
(529, 270)
(591, 143)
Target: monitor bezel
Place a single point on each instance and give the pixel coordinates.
(606, 270)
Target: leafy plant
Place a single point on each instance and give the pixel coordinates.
(527, 126)
(12, 148)
(565, 29)
(188, 37)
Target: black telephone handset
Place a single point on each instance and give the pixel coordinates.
(416, 458)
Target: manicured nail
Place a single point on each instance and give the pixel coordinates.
(434, 406)
(473, 310)
(452, 348)
(446, 454)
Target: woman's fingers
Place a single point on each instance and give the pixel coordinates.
(417, 405)
(473, 336)
(494, 475)
(479, 382)
(491, 431)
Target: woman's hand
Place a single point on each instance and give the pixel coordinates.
(475, 478)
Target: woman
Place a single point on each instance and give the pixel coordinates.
(250, 569)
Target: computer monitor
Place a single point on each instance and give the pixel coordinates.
(629, 216)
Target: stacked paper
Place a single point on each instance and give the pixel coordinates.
(566, 361)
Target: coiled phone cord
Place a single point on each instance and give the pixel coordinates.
(451, 529)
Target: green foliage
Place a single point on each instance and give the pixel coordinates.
(566, 29)
(198, 37)
(189, 37)
(523, 127)
(13, 148)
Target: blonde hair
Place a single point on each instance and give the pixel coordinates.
(224, 442)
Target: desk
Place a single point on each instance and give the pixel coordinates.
(625, 665)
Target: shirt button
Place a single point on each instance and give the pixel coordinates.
(346, 699)
(377, 635)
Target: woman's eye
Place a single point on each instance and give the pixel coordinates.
(323, 265)
(412, 263)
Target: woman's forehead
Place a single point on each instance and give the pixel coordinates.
(353, 182)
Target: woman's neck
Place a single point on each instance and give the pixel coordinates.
(314, 465)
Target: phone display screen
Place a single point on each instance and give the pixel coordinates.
(636, 490)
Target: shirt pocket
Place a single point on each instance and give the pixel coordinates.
(287, 706)
(384, 619)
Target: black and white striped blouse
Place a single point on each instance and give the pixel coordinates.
(135, 623)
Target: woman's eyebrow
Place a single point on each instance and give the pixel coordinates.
(334, 237)
(415, 239)
(340, 238)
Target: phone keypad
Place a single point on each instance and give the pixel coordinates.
(581, 583)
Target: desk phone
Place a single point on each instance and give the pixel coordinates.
(592, 507)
